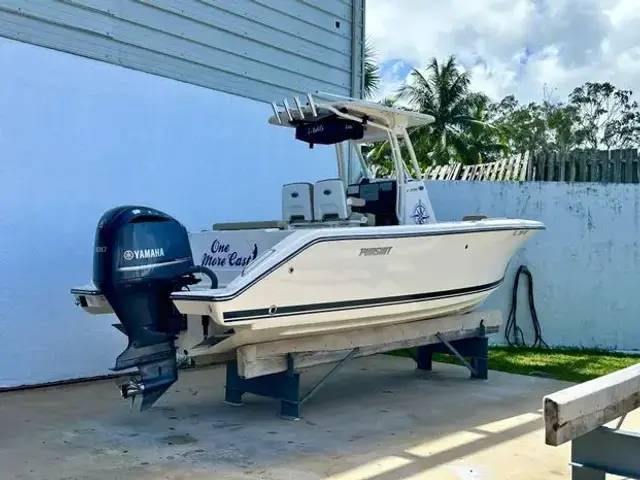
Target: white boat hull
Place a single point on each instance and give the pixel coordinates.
(324, 280)
(192, 342)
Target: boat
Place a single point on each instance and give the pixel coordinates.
(348, 252)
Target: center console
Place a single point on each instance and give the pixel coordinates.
(380, 199)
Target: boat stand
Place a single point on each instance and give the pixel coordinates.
(477, 348)
(273, 369)
(284, 386)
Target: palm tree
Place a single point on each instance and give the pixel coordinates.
(378, 154)
(481, 141)
(444, 92)
(371, 70)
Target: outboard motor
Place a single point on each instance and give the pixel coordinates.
(142, 255)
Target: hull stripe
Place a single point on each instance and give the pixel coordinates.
(290, 310)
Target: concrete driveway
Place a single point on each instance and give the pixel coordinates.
(377, 419)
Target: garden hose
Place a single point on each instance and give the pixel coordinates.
(513, 334)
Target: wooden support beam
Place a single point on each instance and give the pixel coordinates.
(213, 359)
(581, 408)
(270, 357)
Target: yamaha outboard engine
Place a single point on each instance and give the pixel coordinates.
(142, 255)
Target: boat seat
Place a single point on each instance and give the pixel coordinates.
(297, 202)
(330, 200)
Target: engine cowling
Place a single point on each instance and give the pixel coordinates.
(141, 256)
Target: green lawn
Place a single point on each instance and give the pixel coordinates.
(573, 365)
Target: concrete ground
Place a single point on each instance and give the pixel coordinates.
(377, 419)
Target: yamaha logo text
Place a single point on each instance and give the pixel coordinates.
(367, 252)
(140, 254)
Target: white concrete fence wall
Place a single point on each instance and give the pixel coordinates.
(585, 266)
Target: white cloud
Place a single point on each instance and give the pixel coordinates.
(567, 42)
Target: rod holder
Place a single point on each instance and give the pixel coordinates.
(276, 112)
(287, 109)
(312, 104)
(295, 99)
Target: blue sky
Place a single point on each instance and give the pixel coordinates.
(395, 68)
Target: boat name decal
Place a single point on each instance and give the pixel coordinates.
(222, 255)
(129, 255)
(368, 252)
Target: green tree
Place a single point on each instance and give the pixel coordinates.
(481, 141)
(445, 93)
(606, 116)
(371, 70)
(525, 126)
(536, 127)
(563, 123)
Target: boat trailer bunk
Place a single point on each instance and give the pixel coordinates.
(272, 369)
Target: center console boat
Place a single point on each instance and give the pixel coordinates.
(349, 252)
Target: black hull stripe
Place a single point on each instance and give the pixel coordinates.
(258, 313)
(230, 296)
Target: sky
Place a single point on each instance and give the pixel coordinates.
(520, 47)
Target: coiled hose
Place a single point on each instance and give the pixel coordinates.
(513, 334)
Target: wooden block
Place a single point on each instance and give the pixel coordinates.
(213, 359)
(270, 357)
(579, 409)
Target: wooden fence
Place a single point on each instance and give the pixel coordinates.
(613, 166)
(513, 168)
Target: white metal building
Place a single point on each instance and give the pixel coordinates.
(79, 133)
(260, 49)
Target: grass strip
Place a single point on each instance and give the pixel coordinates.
(568, 364)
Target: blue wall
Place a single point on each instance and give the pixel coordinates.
(78, 137)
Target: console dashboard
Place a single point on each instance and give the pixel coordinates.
(379, 197)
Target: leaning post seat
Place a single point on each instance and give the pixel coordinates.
(297, 202)
(329, 200)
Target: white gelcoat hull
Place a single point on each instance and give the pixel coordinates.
(436, 267)
(328, 285)
(266, 332)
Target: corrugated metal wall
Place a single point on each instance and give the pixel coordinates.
(260, 49)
